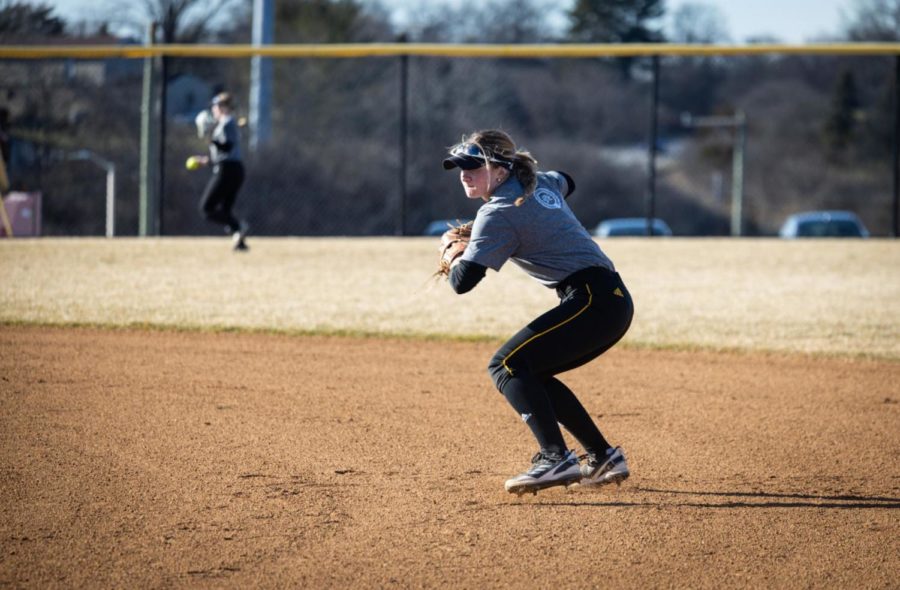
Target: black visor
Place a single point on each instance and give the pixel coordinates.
(469, 156)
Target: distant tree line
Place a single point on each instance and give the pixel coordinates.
(819, 127)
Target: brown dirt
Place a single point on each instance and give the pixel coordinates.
(164, 459)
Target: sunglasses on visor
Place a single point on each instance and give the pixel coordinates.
(472, 151)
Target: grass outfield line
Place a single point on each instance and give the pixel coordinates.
(832, 297)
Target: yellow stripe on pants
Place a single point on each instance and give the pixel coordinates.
(519, 347)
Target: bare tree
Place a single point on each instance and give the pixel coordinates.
(697, 22)
(487, 21)
(180, 21)
(874, 20)
(617, 21)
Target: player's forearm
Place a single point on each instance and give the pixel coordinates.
(465, 274)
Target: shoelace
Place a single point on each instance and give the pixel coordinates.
(592, 460)
(540, 457)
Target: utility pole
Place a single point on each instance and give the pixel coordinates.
(739, 123)
(149, 168)
(261, 75)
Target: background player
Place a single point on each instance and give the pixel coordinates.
(228, 170)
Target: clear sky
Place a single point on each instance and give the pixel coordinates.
(791, 21)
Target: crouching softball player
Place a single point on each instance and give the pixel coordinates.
(525, 219)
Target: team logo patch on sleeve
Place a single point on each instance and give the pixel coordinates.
(548, 198)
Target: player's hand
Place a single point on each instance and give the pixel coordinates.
(453, 244)
(195, 162)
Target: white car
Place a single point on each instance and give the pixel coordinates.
(631, 226)
(823, 224)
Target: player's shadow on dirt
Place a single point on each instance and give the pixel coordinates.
(762, 500)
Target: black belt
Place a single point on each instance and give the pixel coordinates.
(593, 275)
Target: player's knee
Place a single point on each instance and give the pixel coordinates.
(499, 374)
(209, 210)
(502, 370)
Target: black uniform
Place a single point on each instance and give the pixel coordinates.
(545, 239)
(228, 175)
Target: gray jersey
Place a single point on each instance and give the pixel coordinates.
(542, 235)
(226, 132)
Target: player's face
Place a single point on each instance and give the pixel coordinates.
(481, 182)
(218, 111)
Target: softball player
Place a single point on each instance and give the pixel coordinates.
(228, 171)
(525, 219)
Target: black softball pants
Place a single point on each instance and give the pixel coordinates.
(220, 193)
(594, 312)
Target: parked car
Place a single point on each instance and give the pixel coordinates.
(631, 226)
(439, 226)
(823, 224)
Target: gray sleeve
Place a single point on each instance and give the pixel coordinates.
(493, 241)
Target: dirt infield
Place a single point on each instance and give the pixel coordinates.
(166, 459)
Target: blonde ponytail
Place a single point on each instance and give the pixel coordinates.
(525, 169)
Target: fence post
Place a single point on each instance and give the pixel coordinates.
(737, 174)
(404, 99)
(162, 100)
(896, 141)
(651, 156)
(110, 169)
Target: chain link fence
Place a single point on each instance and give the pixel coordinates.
(819, 135)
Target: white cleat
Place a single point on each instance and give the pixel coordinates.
(611, 468)
(547, 471)
(237, 238)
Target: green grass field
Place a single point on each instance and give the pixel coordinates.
(821, 296)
